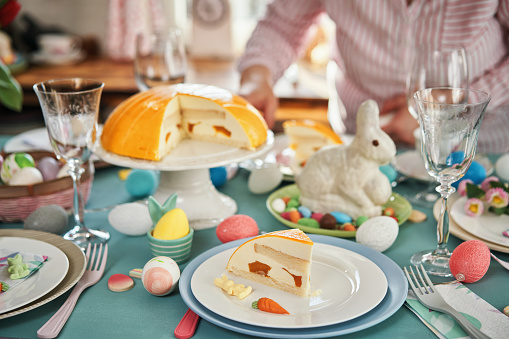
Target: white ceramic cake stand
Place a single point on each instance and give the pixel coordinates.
(185, 171)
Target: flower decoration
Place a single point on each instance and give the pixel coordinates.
(462, 187)
(474, 207)
(492, 192)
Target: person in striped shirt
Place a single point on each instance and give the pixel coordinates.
(372, 40)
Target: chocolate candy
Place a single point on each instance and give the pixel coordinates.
(328, 222)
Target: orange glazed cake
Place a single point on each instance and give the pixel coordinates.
(308, 136)
(279, 259)
(149, 124)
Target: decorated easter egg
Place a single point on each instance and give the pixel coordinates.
(379, 233)
(264, 179)
(49, 218)
(48, 167)
(131, 219)
(173, 225)
(218, 176)
(237, 226)
(502, 167)
(26, 176)
(160, 275)
(13, 163)
(141, 183)
(470, 261)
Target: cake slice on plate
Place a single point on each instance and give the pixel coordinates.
(280, 259)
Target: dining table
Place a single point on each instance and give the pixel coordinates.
(135, 313)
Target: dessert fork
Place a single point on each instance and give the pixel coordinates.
(91, 276)
(429, 297)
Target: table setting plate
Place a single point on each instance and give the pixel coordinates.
(401, 206)
(50, 281)
(347, 285)
(397, 287)
(488, 226)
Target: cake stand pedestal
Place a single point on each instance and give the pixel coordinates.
(185, 171)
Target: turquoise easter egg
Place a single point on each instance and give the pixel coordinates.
(389, 172)
(218, 176)
(341, 217)
(141, 183)
(476, 172)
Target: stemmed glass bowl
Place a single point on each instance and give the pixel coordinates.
(70, 108)
(449, 120)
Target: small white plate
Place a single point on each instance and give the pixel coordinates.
(411, 164)
(351, 285)
(33, 140)
(42, 281)
(488, 226)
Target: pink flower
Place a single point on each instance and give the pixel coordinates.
(497, 197)
(462, 186)
(474, 207)
(485, 185)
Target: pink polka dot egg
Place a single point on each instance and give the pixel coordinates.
(160, 275)
(469, 261)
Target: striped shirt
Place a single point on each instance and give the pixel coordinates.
(372, 40)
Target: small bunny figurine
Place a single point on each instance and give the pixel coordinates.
(347, 178)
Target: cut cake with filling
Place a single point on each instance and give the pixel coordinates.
(308, 136)
(150, 124)
(280, 259)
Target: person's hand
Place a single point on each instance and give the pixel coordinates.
(256, 87)
(402, 125)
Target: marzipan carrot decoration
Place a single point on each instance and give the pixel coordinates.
(269, 305)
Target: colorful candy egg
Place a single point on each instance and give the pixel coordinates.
(160, 276)
(13, 163)
(173, 225)
(278, 205)
(218, 176)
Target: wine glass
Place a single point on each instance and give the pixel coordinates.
(70, 108)
(445, 67)
(449, 120)
(160, 59)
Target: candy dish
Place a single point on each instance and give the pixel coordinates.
(401, 206)
(394, 298)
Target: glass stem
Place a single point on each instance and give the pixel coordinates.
(75, 172)
(445, 191)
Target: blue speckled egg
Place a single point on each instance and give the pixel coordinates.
(341, 217)
(50, 218)
(141, 183)
(218, 176)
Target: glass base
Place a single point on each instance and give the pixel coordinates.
(426, 198)
(433, 264)
(84, 236)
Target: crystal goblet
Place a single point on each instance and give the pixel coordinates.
(70, 108)
(449, 120)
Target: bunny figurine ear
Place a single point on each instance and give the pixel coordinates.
(156, 210)
(368, 115)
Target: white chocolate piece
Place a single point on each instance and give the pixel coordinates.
(238, 290)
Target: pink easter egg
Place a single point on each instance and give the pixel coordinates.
(317, 216)
(236, 227)
(158, 281)
(469, 261)
(120, 282)
(285, 215)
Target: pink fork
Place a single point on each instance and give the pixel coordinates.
(91, 276)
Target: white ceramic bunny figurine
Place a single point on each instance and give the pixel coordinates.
(347, 178)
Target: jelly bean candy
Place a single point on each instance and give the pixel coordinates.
(341, 217)
(306, 212)
(278, 205)
(309, 222)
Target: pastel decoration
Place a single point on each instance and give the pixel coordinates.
(389, 172)
(265, 178)
(26, 176)
(278, 205)
(136, 273)
(48, 167)
(173, 225)
(13, 163)
(178, 249)
(470, 261)
(160, 275)
(378, 233)
(141, 183)
(476, 172)
(304, 211)
(157, 210)
(49, 218)
(236, 227)
(120, 282)
(17, 268)
(131, 219)
(502, 167)
(218, 176)
(341, 217)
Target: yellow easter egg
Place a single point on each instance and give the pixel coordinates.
(173, 225)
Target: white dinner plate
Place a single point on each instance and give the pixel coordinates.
(488, 226)
(347, 286)
(41, 282)
(411, 164)
(32, 140)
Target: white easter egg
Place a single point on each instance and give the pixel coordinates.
(63, 172)
(278, 205)
(131, 219)
(378, 233)
(26, 176)
(160, 275)
(502, 167)
(265, 178)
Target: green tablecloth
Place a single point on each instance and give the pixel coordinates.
(101, 313)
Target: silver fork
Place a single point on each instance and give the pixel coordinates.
(428, 295)
(91, 276)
